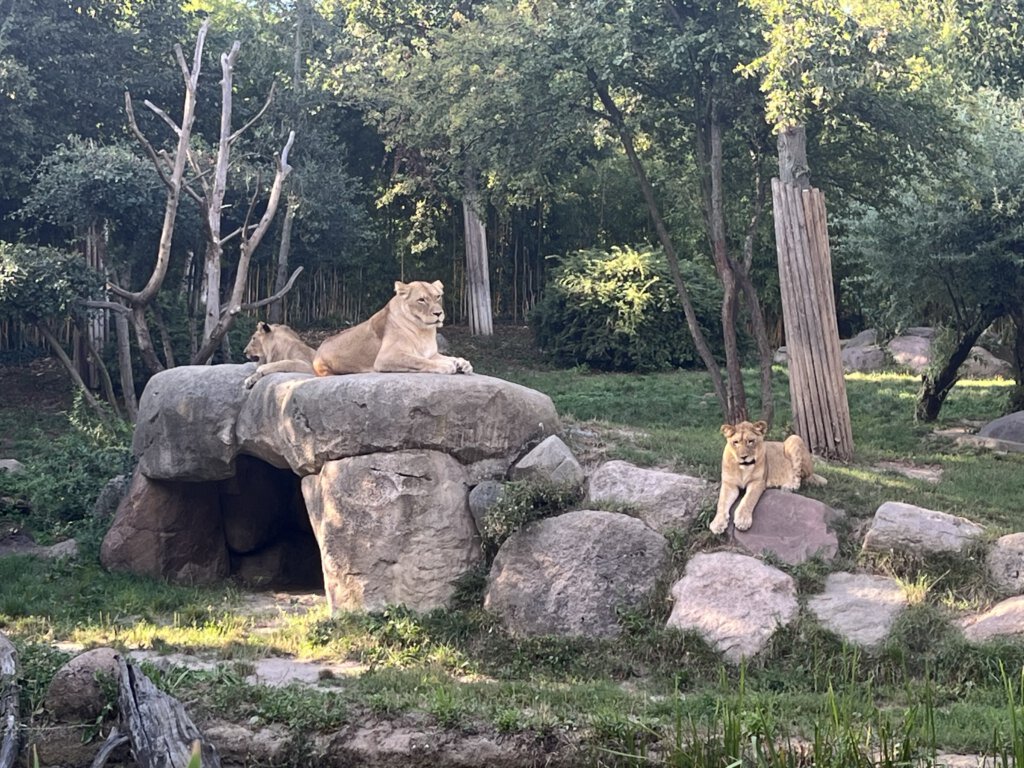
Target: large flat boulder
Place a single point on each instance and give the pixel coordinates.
(908, 528)
(663, 500)
(791, 527)
(302, 422)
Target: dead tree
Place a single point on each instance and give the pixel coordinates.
(821, 412)
(220, 315)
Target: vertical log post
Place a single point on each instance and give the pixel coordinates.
(10, 732)
(821, 412)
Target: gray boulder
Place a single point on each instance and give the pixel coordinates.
(572, 574)
(863, 353)
(912, 349)
(550, 461)
(1005, 563)
(735, 602)
(663, 500)
(1009, 428)
(904, 527)
(392, 528)
(186, 425)
(75, 694)
(860, 608)
(11, 465)
(791, 527)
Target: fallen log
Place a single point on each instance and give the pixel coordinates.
(9, 727)
(161, 732)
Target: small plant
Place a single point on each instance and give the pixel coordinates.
(521, 503)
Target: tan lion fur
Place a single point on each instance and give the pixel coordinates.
(751, 463)
(277, 349)
(401, 337)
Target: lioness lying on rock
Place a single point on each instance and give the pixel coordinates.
(401, 337)
(752, 463)
(277, 349)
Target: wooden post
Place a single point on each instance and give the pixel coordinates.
(821, 412)
(10, 732)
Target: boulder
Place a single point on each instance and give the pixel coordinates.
(110, 497)
(170, 530)
(1005, 619)
(982, 364)
(734, 601)
(1009, 428)
(663, 500)
(186, 425)
(1005, 563)
(904, 527)
(791, 527)
(551, 461)
(860, 608)
(484, 496)
(392, 528)
(863, 353)
(301, 422)
(76, 692)
(571, 575)
(11, 465)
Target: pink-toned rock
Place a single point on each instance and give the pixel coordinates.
(859, 607)
(168, 530)
(794, 528)
(733, 601)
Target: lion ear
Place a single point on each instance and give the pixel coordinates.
(439, 285)
(761, 427)
(401, 289)
(264, 327)
(728, 430)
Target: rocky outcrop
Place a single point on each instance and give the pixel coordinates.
(573, 574)
(1003, 620)
(1005, 563)
(229, 478)
(735, 602)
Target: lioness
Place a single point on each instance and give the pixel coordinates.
(277, 348)
(401, 337)
(752, 463)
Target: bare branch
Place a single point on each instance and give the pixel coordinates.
(266, 105)
(163, 116)
(277, 296)
(143, 140)
(113, 306)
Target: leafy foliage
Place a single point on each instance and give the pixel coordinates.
(618, 311)
(37, 282)
(521, 503)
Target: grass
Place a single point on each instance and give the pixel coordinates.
(650, 697)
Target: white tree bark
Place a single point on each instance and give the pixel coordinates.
(478, 279)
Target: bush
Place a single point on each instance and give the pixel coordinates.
(619, 311)
(522, 502)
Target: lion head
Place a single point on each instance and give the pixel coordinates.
(421, 302)
(746, 441)
(273, 341)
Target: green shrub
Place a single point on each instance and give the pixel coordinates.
(619, 311)
(520, 503)
(62, 482)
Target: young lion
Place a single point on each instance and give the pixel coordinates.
(752, 463)
(401, 337)
(277, 349)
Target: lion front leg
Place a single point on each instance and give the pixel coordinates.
(744, 517)
(726, 498)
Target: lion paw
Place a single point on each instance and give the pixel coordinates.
(250, 382)
(463, 366)
(719, 525)
(743, 522)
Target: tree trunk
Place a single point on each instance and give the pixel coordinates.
(478, 278)
(275, 312)
(162, 734)
(821, 412)
(124, 365)
(69, 366)
(709, 156)
(618, 122)
(937, 383)
(1017, 393)
(9, 726)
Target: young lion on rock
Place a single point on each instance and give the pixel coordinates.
(401, 337)
(750, 462)
(277, 349)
